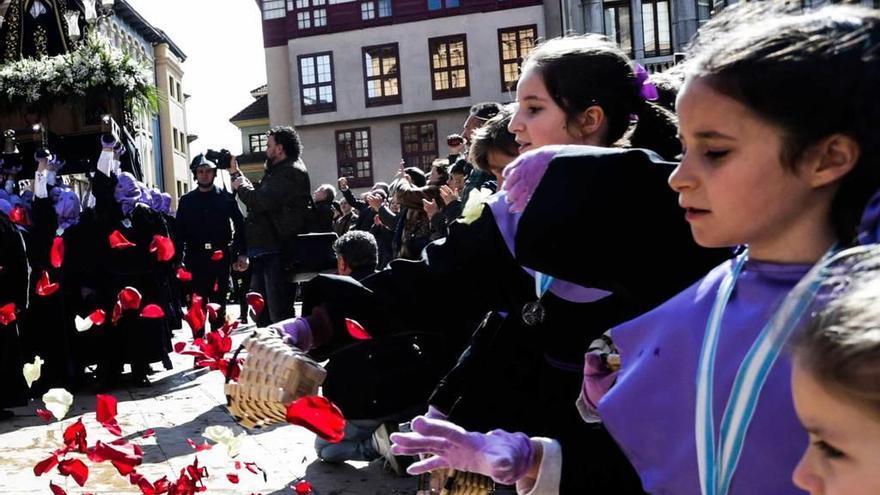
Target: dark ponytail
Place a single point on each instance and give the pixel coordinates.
(656, 130)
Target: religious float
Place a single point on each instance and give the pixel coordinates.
(62, 85)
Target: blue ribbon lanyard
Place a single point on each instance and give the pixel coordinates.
(542, 284)
(718, 463)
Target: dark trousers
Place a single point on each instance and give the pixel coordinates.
(268, 278)
(210, 279)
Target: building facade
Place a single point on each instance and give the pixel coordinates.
(253, 122)
(651, 31)
(162, 140)
(370, 82)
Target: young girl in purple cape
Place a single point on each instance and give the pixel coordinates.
(836, 382)
(781, 156)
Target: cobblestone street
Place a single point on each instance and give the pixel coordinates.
(178, 406)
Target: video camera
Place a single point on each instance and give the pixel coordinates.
(222, 158)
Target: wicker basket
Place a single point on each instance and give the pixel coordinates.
(452, 482)
(273, 375)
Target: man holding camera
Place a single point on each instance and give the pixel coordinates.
(277, 211)
(209, 231)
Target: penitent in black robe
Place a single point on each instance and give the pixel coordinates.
(13, 289)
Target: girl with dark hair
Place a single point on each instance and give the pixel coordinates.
(836, 381)
(585, 90)
(763, 169)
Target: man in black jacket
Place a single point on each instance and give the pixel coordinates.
(277, 211)
(209, 231)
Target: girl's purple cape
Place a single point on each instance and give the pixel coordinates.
(650, 410)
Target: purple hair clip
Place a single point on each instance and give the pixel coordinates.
(647, 90)
(869, 227)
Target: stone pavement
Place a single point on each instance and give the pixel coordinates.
(179, 405)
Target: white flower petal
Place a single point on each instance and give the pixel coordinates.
(82, 324)
(31, 371)
(58, 402)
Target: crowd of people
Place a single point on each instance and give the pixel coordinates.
(621, 283)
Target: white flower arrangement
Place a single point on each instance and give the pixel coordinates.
(93, 66)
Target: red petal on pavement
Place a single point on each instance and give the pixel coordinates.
(237, 464)
(217, 255)
(46, 415)
(163, 247)
(184, 276)
(152, 311)
(148, 433)
(106, 413)
(75, 437)
(356, 330)
(7, 314)
(123, 468)
(302, 487)
(46, 465)
(232, 477)
(197, 447)
(98, 317)
(45, 287)
(318, 415)
(130, 298)
(56, 254)
(118, 241)
(76, 469)
(256, 302)
(56, 490)
(126, 454)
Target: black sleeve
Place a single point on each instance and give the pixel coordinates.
(592, 462)
(355, 203)
(607, 218)
(239, 247)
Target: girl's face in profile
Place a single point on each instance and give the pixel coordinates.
(538, 120)
(843, 456)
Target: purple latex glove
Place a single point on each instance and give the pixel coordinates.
(504, 457)
(523, 175)
(434, 413)
(295, 332)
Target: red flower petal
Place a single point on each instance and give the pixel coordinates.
(302, 487)
(213, 311)
(46, 415)
(98, 317)
(56, 254)
(256, 302)
(56, 490)
(318, 415)
(148, 433)
(356, 330)
(46, 465)
(18, 216)
(126, 453)
(75, 437)
(7, 314)
(184, 276)
(216, 285)
(163, 247)
(117, 312)
(197, 447)
(232, 477)
(130, 298)
(45, 287)
(106, 413)
(76, 469)
(118, 241)
(195, 316)
(124, 468)
(217, 255)
(152, 311)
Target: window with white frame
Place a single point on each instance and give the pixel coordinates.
(273, 9)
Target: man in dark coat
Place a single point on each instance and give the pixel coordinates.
(209, 231)
(277, 211)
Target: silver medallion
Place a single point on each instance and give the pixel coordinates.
(533, 313)
(126, 223)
